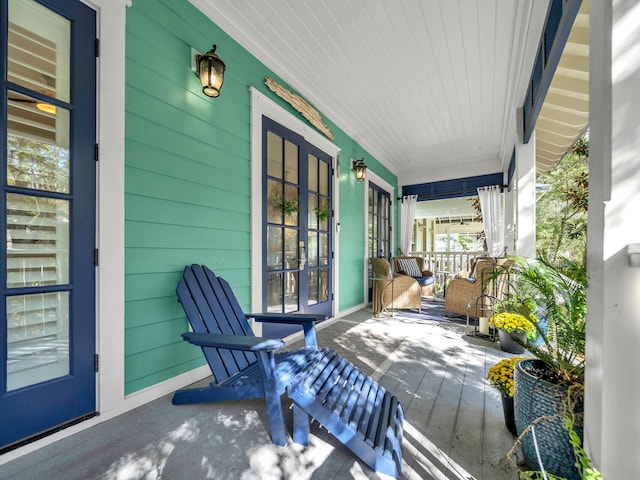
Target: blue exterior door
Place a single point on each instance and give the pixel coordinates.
(297, 225)
(379, 226)
(47, 326)
(379, 218)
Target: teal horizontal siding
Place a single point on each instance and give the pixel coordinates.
(188, 182)
(189, 214)
(147, 286)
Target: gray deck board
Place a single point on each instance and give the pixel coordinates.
(454, 428)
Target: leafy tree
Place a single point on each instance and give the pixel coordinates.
(561, 213)
(464, 242)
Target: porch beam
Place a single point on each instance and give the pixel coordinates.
(560, 18)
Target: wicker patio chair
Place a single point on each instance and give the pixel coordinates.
(426, 279)
(461, 291)
(400, 293)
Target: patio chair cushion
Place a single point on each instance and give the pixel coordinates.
(409, 266)
(423, 281)
(425, 278)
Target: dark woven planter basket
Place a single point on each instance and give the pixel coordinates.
(535, 398)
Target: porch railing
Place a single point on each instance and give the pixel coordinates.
(449, 262)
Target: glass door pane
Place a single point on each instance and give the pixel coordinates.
(38, 338)
(39, 46)
(37, 241)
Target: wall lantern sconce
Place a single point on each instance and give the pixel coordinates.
(360, 168)
(210, 68)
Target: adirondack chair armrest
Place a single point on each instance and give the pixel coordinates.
(233, 342)
(296, 318)
(307, 320)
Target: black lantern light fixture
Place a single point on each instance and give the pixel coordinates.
(210, 69)
(360, 168)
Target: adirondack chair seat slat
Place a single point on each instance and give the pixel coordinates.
(351, 391)
(369, 421)
(365, 408)
(354, 406)
(313, 372)
(289, 364)
(392, 448)
(332, 401)
(321, 383)
(378, 428)
(325, 382)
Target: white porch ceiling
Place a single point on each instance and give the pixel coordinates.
(428, 87)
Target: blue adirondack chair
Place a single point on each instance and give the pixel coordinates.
(321, 383)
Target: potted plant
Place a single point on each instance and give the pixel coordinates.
(520, 300)
(322, 212)
(511, 328)
(288, 206)
(559, 291)
(500, 376)
(551, 387)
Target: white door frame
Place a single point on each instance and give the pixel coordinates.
(262, 105)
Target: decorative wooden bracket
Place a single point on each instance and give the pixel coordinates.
(301, 105)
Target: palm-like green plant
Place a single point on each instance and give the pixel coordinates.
(559, 293)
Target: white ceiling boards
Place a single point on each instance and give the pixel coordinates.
(428, 87)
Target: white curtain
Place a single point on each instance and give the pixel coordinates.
(407, 215)
(492, 207)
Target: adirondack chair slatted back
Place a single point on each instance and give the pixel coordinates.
(211, 307)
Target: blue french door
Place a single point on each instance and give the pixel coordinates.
(379, 219)
(297, 225)
(47, 327)
(379, 223)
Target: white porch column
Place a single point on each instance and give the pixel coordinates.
(510, 220)
(612, 426)
(526, 195)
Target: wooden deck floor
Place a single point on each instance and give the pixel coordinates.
(454, 428)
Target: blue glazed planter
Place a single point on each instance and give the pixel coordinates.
(543, 322)
(535, 398)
